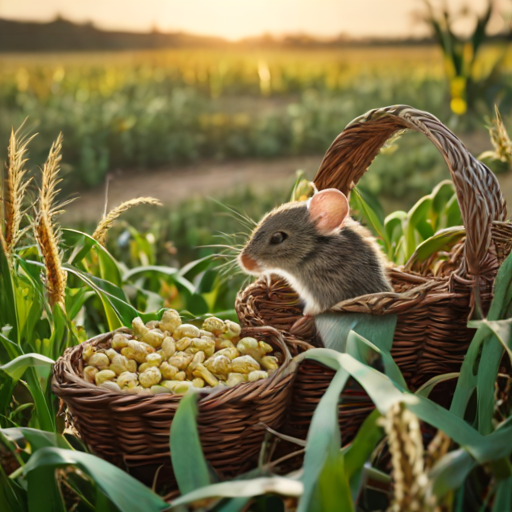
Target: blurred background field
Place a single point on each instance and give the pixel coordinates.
(235, 120)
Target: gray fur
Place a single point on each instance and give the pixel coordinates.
(326, 269)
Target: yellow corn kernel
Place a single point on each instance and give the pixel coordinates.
(168, 371)
(89, 373)
(138, 327)
(158, 390)
(206, 345)
(185, 330)
(112, 386)
(150, 377)
(170, 321)
(87, 351)
(214, 325)
(131, 365)
(244, 364)
(230, 352)
(127, 380)
(235, 378)
(180, 376)
(103, 376)
(232, 330)
(111, 353)
(221, 344)
(219, 365)
(202, 372)
(119, 341)
(99, 360)
(180, 360)
(183, 343)
(264, 347)
(154, 337)
(257, 375)
(198, 382)
(168, 346)
(154, 359)
(269, 363)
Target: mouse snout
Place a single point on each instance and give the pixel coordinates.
(248, 263)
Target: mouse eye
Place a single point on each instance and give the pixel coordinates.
(278, 238)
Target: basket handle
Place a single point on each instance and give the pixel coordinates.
(478, 191)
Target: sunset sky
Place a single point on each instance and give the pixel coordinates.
(239, 18)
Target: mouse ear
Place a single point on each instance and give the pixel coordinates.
(328, 209)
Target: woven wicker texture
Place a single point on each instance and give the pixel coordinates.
(132, 431)
(431, 336)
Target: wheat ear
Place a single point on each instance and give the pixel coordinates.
(15, 188)
(409, 475)
(100, 233)
(46, 231)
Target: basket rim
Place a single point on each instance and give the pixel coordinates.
(65, 376)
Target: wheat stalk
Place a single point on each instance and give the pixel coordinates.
(46, 231)
(409, 475)
(14, 189)
(100, 233)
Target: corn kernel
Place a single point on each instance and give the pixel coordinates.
(244, 364)
(230, 353)
(183, 343)
(202, 372)
(119, 341)
(89, 373)
(198, 383)
(112, 386)
(158, 390)
(180, 360)
(219, 365)
(235, 378)
(138, 327)
(103, 376)
(99, 360)
(170, 321)
(154, 359)
(257, 375)
(150, 377)
(168, 371)
(232, 330)
(269, 363)
(168, 346)
(127, 380)
(214, 325)
(154, 337)
(186, 330)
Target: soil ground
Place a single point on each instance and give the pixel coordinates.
(172, 185)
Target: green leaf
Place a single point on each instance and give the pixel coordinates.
(370, 217)
(325, 483)
(16, 368)
(450, 472)
(416, 223)
(128, 494)
(441, 241)
(36, 438)
(82, 244)
(190, 466)
(503, 498)
(243, 488)
(8, 312)
(43, 491)
(360, 449)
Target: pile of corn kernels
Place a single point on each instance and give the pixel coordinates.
(168, 356)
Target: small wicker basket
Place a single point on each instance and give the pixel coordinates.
(132, 431)
(431, 335)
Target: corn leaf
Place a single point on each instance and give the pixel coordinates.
(126, 492)
(189, 464)
(243, 488)
(325, 483)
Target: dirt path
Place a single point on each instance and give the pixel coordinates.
(204, 179)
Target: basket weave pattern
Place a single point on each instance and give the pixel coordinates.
(431, 335)
(132, 431)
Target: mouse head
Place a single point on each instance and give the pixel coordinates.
(290, 233)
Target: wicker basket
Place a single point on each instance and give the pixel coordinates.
(132, 431)
(431, 335)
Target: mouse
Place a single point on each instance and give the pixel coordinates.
(325, 255)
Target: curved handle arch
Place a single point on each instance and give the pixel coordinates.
(478, 191)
